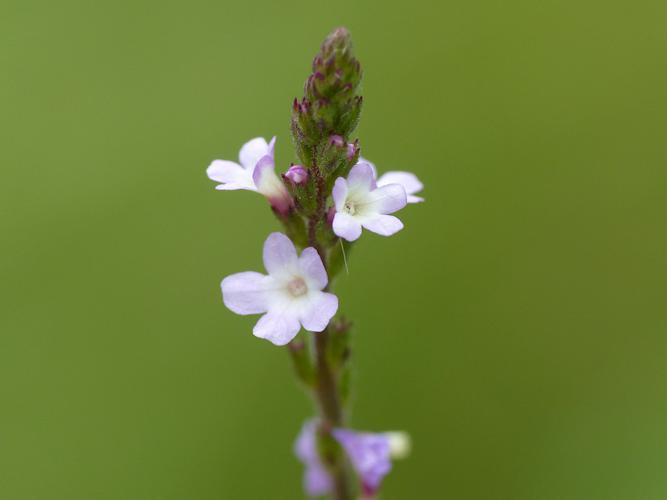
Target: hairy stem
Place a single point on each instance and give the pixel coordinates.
(320, 212)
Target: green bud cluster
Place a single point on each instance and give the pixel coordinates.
(323, 120)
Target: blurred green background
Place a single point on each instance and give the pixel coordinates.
(516, 327)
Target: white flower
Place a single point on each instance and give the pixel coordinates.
(291, 295)
(360, 202)
(256, 172)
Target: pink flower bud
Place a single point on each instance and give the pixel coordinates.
(337, 141)
(297, 174)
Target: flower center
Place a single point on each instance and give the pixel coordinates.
(350, 208)
(297, 287)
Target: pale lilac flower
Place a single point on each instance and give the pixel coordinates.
(370, 455)
(360, 202)
(316, 479)
(256, 172)
(297, 174)
(408, 180)
(291, 295)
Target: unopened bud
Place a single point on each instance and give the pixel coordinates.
(297, 175)
(337, 41)
(337, 141)
(330, 108)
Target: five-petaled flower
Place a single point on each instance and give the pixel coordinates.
(256, 172)
(291, 295)
(408, 180)
(359, 201)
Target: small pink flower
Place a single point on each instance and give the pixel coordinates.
(297, 175)
(370, 453)
(256, 172)
(361, 203)
(290, 295)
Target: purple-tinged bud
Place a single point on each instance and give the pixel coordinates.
(330, 104)
(352, 149)
(338, 40)
(337, 141)
(331, 213)
(297, 175)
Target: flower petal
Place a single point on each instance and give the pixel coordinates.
(316, 480)
(369, 454)
(246, 293)
(272, 145)
(339, 193)
(252, 151)
(305, 446)
(270, 185)
(387, 199)
(385, 225)
(408, 180)
(361, 177)
(312, 268)
(414, 199)
(346, 226)
(318, 311)
(278, 326)
(230, 174)
(370, 164)
(279, 254)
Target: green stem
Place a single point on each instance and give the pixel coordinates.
(331, 413)
(326, 386)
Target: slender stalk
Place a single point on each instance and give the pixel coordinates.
(327, 390)
(326, 387)
(331, 413)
